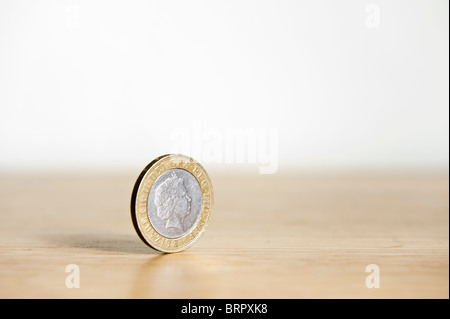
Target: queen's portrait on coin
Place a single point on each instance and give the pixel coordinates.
(172, 202)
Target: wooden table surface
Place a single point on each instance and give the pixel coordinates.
(276, 236)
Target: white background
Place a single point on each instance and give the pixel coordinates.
(103, 84)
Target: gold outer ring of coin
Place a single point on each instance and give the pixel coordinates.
(139, 197)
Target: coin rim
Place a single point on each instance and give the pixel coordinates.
(139, 214)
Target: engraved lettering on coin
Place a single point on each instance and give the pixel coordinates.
(174, 203)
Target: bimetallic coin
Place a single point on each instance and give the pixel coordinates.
(171, 203)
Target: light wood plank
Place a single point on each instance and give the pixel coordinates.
(271, 236)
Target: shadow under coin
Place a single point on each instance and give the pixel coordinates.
(178, 275)
(113, 243)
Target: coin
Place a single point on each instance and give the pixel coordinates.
(171, 203)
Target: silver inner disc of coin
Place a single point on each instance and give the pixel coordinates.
(174, 203)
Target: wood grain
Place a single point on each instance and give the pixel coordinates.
(271, 236)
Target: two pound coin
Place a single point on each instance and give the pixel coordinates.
(171, 203)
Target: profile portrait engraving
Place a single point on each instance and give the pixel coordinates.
(172, 202)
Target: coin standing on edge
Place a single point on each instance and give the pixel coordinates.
(171, 203)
